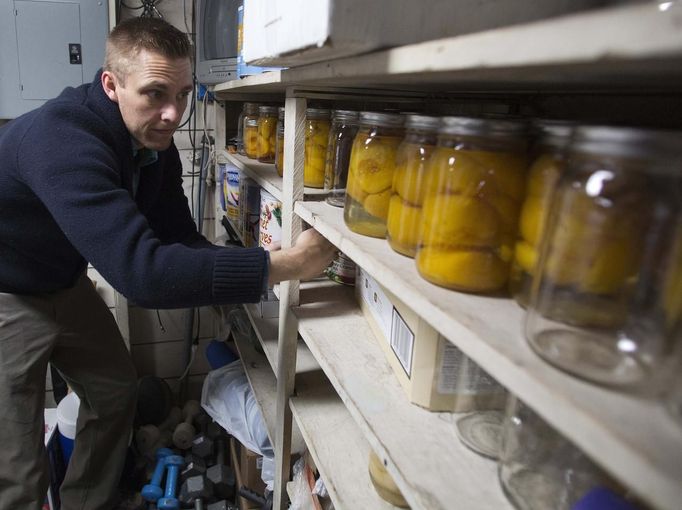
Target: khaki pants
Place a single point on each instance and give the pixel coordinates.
(74, 330)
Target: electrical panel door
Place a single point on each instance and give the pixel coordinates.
(48, 45)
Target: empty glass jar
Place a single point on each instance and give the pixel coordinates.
(601, 306)
(316, 138)
(343, 130)
(267, 132)
(370, 173)
(405, 208)
(538, 468)
(547, 164)
(472, 195)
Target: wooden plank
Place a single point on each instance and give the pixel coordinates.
(625, 46)
(267, 331)
(340, 452)
(264, 384)
(294, 155)
(632, 438)
(265, 175)
(420, 448)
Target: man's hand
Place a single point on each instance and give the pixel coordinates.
(309, 256)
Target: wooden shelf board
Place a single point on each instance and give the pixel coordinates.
(406, 436)
(632, 438)
(267, 331)
(264, 385)
(340, 452)
(266, 176)
(623, 47)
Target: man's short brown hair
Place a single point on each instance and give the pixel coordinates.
(130, 37)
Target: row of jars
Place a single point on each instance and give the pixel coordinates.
(584, 227)
(262, 135)
(581, 223)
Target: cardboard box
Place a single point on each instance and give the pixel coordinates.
(247, 467)
(434, 373)
(300, 32)
(249, 211)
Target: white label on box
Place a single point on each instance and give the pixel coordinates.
(402, 341)
(259, 463)
(379, 304)
(449, 366)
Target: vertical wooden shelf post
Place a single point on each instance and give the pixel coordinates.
(294, 140)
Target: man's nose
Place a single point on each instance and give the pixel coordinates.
(172, 112)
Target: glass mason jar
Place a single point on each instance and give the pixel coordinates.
(279, 143)
(472, 196)
(538, 468)
(343, 130)
(405, 207)
(250, 132)
(316, 139)
(240, 131)
(548, 161)
(599, 304)
(370, 172)
(479, 395)
(267, 132)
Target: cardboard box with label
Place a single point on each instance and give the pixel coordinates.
(434, 373)
(247, 468)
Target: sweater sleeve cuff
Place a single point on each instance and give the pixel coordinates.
(239, 275)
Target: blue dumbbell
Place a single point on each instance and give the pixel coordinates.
(152, 491)
(169, 501)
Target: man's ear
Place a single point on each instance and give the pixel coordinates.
(109, 84)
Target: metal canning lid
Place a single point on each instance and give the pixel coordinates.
(628, 142)
(251, 108)
(427, 122)
(481, 126)
(345, 115)
(555, 133)
(558, 128)
(317, 113)
(381, 119)
(267, 110)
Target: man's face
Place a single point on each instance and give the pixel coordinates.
(152, 98)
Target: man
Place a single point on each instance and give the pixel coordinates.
(93, 175)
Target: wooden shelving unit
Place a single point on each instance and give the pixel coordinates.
(633, 49)
(336, 444)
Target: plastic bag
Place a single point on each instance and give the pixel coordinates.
(228, 399)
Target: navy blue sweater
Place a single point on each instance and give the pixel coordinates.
(65, 198)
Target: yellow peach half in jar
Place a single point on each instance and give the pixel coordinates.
(376, 204)
(543, 176)
(456, 220)
(464, 270)
(526, 256)
(533, 219)
(507, 170)
(404, 221)
(372, 164)
(453, 171)
(507, 210)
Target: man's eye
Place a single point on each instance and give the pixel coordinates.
(184, 94)
(154, 94)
